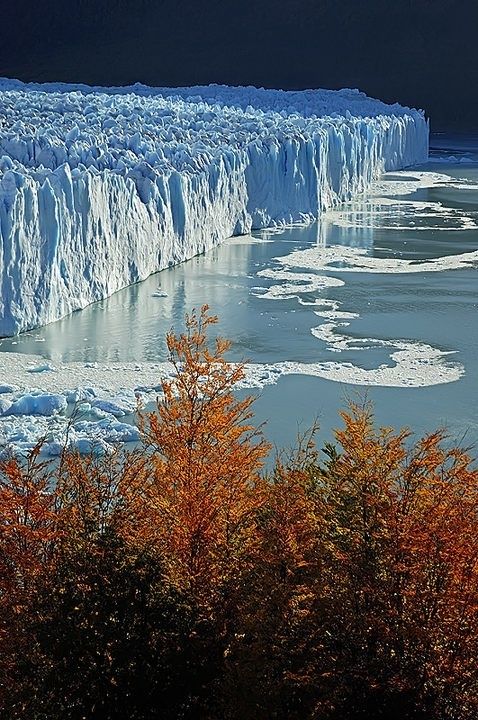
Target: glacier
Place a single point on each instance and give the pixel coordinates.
(101, 187)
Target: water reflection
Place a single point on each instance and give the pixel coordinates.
(131, 324)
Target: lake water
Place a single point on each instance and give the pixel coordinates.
(379, 300)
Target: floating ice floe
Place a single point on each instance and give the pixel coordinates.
(344, 259)
(43, 367)
(38, 404)
(295, 285)
(409, 181)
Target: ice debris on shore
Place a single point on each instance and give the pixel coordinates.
(99, 413)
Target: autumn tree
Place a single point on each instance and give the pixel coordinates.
(201, 501)
(264, 668)
(399, 576)
(28, 527)
(124, 554)
(368, 583)
(29, 536)
(108, 640)
(91, 627)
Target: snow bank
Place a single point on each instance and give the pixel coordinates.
(100, 187)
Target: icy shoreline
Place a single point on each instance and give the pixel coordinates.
(101, 187)
(37, 397)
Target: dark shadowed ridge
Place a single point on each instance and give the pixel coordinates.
(421, 53)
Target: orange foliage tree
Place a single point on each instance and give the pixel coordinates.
(399, 574)
(264, 669)
(368, 579)
(200, 502)
(28, 523)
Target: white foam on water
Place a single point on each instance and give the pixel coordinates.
(381, 209)
(411, 364)
(328, 309)
(387, 214)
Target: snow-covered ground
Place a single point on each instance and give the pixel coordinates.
(100, 187)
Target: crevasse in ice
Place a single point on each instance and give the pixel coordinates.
(100, 187)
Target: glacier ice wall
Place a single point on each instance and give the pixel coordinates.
(100, 187)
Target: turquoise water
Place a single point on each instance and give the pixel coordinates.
(437, 310)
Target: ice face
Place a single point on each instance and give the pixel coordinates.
(101, 187)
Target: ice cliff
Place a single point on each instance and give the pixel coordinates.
(100, 187)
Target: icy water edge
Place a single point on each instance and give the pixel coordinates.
(378, 300)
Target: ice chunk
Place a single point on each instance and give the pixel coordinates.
(44, 367)
(91, 446)
(108, 429)
(114, 406)
(5, 389)
(42, 404)
(5, 405)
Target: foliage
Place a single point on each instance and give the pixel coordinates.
(182, 581)
(200, 500)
